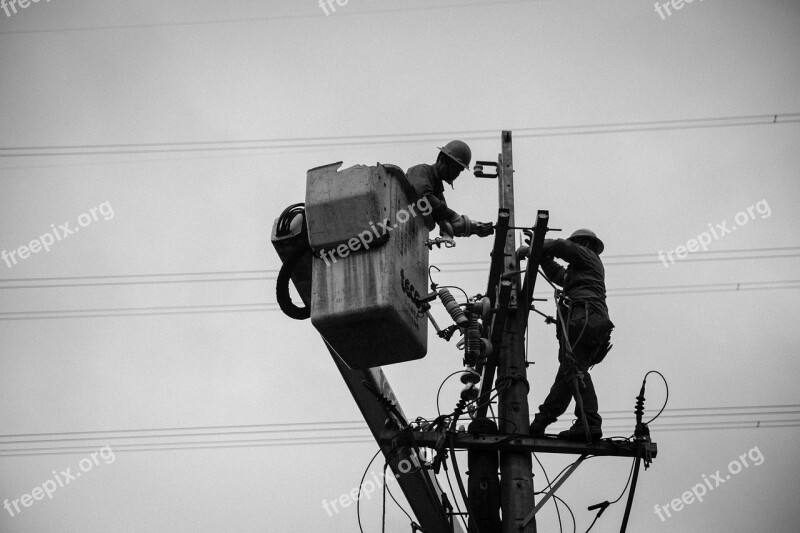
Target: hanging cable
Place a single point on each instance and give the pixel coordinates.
(455, 500)
(398, 503)
(385, 486)
(360, 483)
(547, 478)
(606, 504)
(438, 392)
(574, 524)
(666, 399)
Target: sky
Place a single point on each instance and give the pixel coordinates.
(171, 135)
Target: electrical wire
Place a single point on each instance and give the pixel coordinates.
(271, 274)
(574, 524)
(348, 13)
(455, 499)
(383, 512)
(666, 399)
(353, 425)
(272, 306)
(396, 502)
(311, 441)
(373, 139)
(358, 500)
(621, 494)
(607, 504)
(547, 478)
(565, 469)
(438, 392)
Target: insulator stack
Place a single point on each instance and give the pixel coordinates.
(472, 349)
(452, 307)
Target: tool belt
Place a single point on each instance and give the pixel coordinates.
(587, 326)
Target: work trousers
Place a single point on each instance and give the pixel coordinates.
(561, 394)
(590, 331)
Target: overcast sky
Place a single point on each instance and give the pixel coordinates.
(172, 134)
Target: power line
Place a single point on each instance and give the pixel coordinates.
(355, 425)
(680, 412)
(138, 311)
(344, 13)
(400, 138)
(271, 306)
(750, 417)
(271, 274)
(313, 441)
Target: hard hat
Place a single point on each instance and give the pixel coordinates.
(459, 152)
(589, 234)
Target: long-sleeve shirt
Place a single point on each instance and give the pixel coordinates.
(428, 184)
(583, 279)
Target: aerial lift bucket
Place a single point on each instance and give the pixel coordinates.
(370, 263)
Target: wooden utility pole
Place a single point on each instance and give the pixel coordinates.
(516, 477)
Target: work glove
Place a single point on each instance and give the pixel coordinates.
(446, 229)
(464, 227)
(482, 229)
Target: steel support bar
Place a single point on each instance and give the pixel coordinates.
(534, 260)
(554, 488)
(420, 487)
(629, 503)
(499, 295)
(522, 443)
(498, 254)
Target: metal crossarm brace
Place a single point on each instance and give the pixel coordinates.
(553, 489)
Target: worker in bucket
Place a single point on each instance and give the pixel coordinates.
(428, 182)
(584, 332)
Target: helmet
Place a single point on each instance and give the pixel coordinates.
(589, 234)
(459, 152)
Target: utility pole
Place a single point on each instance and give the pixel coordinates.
(516, 477)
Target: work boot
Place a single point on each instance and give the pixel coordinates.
(537, 429)
(538, 426)
(578, 432)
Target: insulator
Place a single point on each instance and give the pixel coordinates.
(470, 392)
(452, 307)
(472, 350)
(471, 376)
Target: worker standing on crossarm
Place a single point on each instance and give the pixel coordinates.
(583, 317)
(428, 182)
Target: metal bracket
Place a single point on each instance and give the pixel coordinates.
(478, 169)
